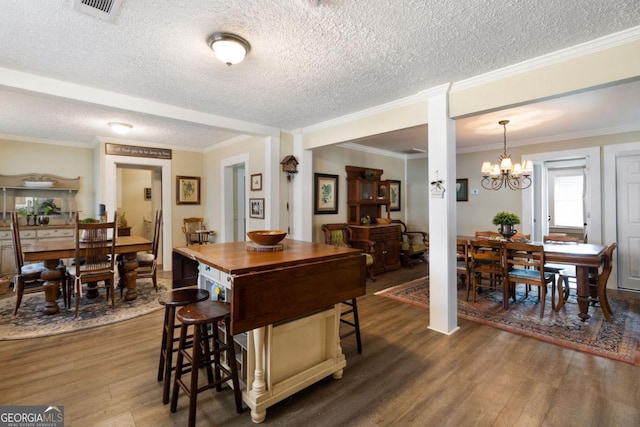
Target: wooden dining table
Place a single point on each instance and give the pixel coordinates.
(52, 251)
(584, 256)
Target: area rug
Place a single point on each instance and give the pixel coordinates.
(31, 322)
(618, 339)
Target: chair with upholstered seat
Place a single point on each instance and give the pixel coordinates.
(340, 235)
(558, 268)
(462, 262)
(27, 278)
(524, 264)
(94, 259)
(488, 235)
(414, 245)
(148, 261)
(192, 229)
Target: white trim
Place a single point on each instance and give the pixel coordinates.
(557, 57)
(611, 153)
(226, 191)
(110, 182)
(594, 185)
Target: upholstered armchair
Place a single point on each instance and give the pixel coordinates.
(340, 235)
(414, 245)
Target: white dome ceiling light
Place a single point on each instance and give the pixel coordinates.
(121, 128)
(229, 48)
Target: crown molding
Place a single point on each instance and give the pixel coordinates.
(572, 52)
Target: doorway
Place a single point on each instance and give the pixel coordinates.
(234, 206)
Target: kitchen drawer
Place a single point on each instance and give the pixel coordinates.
(55, 232)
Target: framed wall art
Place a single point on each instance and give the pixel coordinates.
(188, 190)
(395, 195)
(256, 208)
(325, 194)
(256, 182)
(462, 189)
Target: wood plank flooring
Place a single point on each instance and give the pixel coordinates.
(406, 375)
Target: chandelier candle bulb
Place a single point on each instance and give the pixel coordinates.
(506, 174)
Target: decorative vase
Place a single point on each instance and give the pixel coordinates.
(507, 231)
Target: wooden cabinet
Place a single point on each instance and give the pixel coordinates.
(366, 197)
(387, 240)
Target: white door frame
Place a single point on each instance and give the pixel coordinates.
(110, 165)
(228, 194)
(611, 152)
(594, 195)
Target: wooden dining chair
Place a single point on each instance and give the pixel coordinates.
(557, 269)
(27, 278)
(190, 226)
(486, 267)
(462, 262)
(94, 259)
(148, 260)
(524, 264)
(488, 235)
(414, 245)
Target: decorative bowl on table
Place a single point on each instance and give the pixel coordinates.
(383, 221)
(266, 237)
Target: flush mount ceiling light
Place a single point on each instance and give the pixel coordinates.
(229, 48)
(121, 128)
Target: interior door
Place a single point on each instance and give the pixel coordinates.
(628, 221)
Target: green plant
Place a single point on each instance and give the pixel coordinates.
(369, 174)
(46, 210)
(506, 218)
(89, 221)
(22, 211)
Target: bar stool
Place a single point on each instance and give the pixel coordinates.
(353, 324)
(206, 317)
(172, 299)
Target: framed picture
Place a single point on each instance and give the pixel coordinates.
(256, 182)
(147, 193)
(256, 208)
(188, 190)
(462, 189)
(325, 194)
(395, 195)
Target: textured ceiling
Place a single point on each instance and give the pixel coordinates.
(306, 65)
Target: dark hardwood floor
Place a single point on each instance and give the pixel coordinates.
(406, 375)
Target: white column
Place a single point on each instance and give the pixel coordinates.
(442, 214)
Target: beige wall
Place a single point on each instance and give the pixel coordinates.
(132, 203)
(18, 157)
(186, 163)
(332, 160)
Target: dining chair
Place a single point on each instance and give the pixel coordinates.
(486, 267)
(27, 278)
(462, 262)
(556, 269)
(148, 260)
(94, 259)
(414, 245)
(190, 226)
(524, 263)
(488, 235)
(597, 284)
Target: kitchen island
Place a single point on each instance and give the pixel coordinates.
(285, 310)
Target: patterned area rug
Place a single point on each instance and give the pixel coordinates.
(619, 339)
(31, 322)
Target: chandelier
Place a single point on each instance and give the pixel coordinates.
(506, 173)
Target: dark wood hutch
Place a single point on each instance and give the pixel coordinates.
(366, 197)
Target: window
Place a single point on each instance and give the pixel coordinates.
(566, 189)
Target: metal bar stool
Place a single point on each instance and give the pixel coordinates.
(171, 300)
(207, 318)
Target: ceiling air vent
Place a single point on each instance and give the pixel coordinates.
(102, 9)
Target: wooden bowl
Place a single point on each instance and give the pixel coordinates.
(266, 237)
(383, 221)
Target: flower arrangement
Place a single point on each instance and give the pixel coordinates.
(506, 218)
